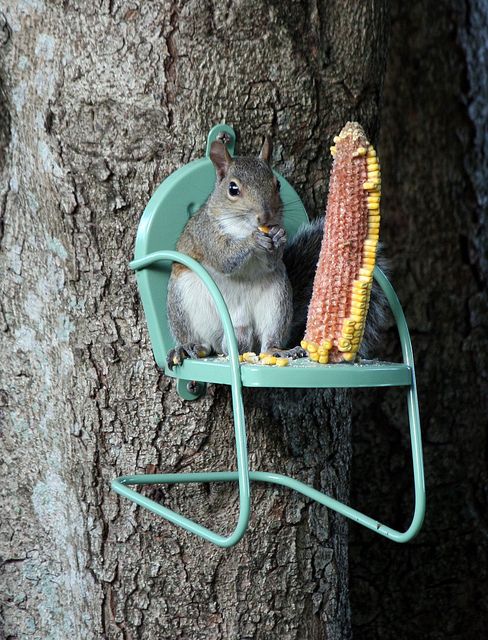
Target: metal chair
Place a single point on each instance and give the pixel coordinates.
(167, 212)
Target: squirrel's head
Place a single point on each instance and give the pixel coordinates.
(246, 186)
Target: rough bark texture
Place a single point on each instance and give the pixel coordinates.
(100, 101)
(435, 180)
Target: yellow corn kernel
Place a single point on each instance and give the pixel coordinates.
(241, 358)
(269, 360)
(312, 347)
(333, 151)
(358, 307)
(324, 359)
(344, 345)
(282, 362)
(264, 228)
(327, 344)
(367, 243)
(263, 355)
(348, 356)
(360, 151)
(304, 344)
(365, 272)
(371, 152)
(314, 357)
(373, 206)
(360, 284)
(369, 186)
(250, 357)
(369, 253)
(348, 323)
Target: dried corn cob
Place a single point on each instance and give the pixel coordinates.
(344, 276)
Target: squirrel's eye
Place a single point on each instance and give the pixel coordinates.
(234, 190)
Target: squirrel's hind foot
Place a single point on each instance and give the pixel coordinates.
(294, 354)
(189, 350)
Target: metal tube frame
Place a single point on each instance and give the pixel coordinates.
(242, 476)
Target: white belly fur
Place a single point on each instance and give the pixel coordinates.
(252, 307)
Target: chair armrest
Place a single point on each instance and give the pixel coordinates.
(175, 256)
(396, 308)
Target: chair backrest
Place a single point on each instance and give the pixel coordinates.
(172, 204)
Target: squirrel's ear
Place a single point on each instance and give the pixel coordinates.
(221, 158)
(266, 150)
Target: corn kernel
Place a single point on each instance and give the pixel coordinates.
(263, 355)
(348, 356)
(360, 284)
(323, 359)
(333, 151)
(360, 151)
(327, 344)
(365, 272)
(250, 357)
(269, 360)
(282, 362)
(369, 186)
(312, 347)
(314, 357)
(304, 344)
(264, 228)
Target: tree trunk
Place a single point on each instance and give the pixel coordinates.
(435, 206)
(100, 104)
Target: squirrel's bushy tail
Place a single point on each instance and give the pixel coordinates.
(300, 257)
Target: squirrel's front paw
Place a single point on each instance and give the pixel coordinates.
(264, 240)
(273, 239)
(277, 235)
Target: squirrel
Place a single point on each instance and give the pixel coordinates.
(238, 236)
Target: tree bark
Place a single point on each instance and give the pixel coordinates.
(435, 207)
(99, 104)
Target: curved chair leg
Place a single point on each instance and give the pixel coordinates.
(120, 485)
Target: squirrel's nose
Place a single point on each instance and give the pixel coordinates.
(265, 215)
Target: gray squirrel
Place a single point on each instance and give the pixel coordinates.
(238, 236)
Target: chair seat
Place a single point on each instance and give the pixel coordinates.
(300, 373)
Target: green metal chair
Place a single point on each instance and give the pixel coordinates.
(176, 199)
